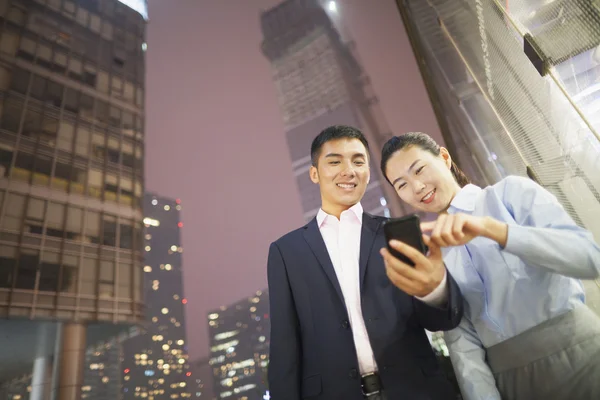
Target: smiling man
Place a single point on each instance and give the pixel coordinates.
(339, 328)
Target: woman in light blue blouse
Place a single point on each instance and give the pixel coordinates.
(517, 257)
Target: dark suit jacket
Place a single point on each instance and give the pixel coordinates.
(312, 349)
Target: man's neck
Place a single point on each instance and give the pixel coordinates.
(336, 211)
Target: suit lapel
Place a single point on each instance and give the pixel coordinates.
(370, 226)
(313, 237)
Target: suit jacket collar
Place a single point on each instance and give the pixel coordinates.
(315, 241)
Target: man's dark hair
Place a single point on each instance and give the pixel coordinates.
(332, 133)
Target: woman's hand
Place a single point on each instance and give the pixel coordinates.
(459, 229)
(424, 277)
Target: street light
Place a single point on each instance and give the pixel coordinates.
(332, 6)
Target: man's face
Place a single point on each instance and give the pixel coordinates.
(342, 173)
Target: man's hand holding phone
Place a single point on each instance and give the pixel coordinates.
(422, 278)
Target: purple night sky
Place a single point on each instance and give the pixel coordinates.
(214, 135)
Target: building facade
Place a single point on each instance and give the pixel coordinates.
(202, 379)
(71, 182)
(320, 83)
(155, 363)
(239, 348)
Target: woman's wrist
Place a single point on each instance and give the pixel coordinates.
(496, 230)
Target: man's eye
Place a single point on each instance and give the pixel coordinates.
(419, 170)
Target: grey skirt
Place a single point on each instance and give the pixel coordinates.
(556, 360)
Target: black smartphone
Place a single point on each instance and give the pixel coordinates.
(407, 230)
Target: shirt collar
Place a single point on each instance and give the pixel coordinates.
(356, 209)
(466, 198)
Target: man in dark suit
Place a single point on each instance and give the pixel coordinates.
(340, 330)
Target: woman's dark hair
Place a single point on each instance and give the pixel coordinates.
(423, 141)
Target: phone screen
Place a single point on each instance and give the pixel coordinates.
(407, 230)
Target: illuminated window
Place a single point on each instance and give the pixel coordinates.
(165, 310)
(151, 222)
(105, 379)
(147, 268)
(213, 316)
(252, 309)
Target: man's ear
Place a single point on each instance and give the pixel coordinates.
(314, 174)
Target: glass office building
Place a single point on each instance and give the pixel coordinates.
(71, 182)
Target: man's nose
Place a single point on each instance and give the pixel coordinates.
(348, 170)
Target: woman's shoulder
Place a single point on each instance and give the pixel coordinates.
(514, 183)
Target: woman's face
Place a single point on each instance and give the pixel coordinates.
(422, 179)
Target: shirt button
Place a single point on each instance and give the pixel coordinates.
(345, 324)
(353, 373)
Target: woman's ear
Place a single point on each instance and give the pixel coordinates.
(446, 157)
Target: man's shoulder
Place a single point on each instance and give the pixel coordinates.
(292, 237)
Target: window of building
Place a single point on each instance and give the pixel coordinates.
(86, 107)
(20, 80)
(11, 114)
(107, 31)
(9, 42)
(95, 23)
(27, 267)
(5, 77)
(60, 62)
(109, 230)
(115, 117)
(126, 235)
(27, 48)
(102, 81)
(74, 222)
(14, 210)
(5, 163)
(38, 87)
(92, 227)
(88, 271)
(8, 262)
(75, 68)
(71, 100)
(49, 271)
(44, 55)
(111, 186)
(23, 166)
(62, 175)
(64, 140)
(106, 280)
(54, 93)
(125, 280)
(95, 183)
(16, 15)
(82, 16)
(90, 75)
(35, 215)
(68, 282)
(82, 140)
(55, 219)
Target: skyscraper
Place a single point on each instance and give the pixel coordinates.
(155, 363)
(202, 374)
(239, 348)
(320, 83)
(71, 183)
